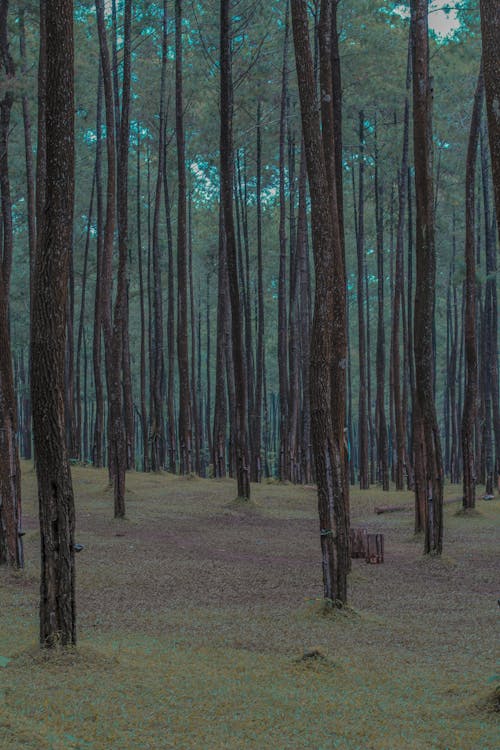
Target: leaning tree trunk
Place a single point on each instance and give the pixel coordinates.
(48, 336)
(471, 371)
(428, 441)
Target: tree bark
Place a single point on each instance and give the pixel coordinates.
(185, 414)
(471, 370)
(11, 547)
(429, 440)
(328, 340)
(48, 335)
(226, 171)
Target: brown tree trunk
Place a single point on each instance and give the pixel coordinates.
(97, 446)
(363, 398)
(11, 547)
(48, 334)
(256, 467)
(490, 28)
(328, 340)
(381, 421)
(156, 349)
(142, 366)
(425, 282)
(284, 463)
(471, 371)
(185, 412)
(226, 171)
(399, 415)
(220, 406)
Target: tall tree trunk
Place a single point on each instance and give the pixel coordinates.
(429, 441)
(284, 463)
(328, 340)
(142, 366)
(399, 415)
(81, 329)
(490, 28)
(195, 416)
(11, 547)
(490, 325)
(185, 411)
(364, 481)
(48, 333)
(226, 171)
(158, 362)
(381, 422)
(172, 438)
(256, 466)
(220, 406)
(471, 371)
(97, 446)
(304, 322)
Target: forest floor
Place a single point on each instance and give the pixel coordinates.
(194, 615)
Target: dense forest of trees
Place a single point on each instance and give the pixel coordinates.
(253, 240)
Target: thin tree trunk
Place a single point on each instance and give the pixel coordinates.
(425, 283)
(185, 406)
(11, 547)
(226, 170)
(284, 463)
(471, 371)
(364, 481)
(381, 422)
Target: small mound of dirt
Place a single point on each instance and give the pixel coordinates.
(313, 654)
(491, 702)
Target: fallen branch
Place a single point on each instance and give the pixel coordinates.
(396, 508)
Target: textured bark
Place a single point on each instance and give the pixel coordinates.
(489, 354)
(399, 415)
(48, 334)
(195, 415)
(172, 438)
(364, 481)
(328, 340)
(185, 414)
(226, 171)
(256, 425)
(11, 548)
(97, 447)
(304, 322)
(142, 366)
(220, 406)
(490, 28)
(381, 422)
(157, 357)
(113, 321)
(28, 150)
(490, 32)
(429, 439)
(284, 464)
(80, 452)
(471, 371)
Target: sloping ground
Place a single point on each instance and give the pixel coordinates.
(195, 612)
